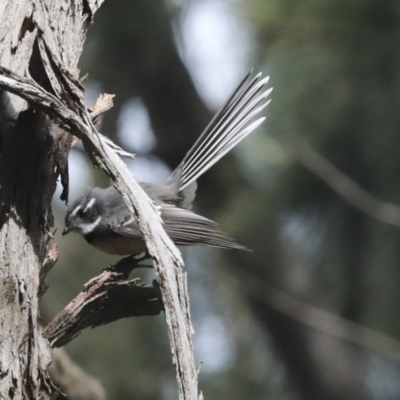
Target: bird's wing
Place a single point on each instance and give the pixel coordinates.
(186, 228)
(129, 227)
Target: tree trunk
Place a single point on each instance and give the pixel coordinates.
(32, 154)
(42, 41)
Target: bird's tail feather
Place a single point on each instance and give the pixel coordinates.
(233, 122)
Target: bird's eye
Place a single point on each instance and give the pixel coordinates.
(81, 213)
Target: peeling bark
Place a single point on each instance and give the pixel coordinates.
(105, 298)
(47, 78)
(32, 155)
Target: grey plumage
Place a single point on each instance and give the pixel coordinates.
(107, 218)
(232, 123)
(187, 228)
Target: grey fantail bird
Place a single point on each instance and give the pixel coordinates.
(101, 216)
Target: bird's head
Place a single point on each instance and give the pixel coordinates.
(84, 214)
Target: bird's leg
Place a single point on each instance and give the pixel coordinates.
(143, 257)
(125, 265)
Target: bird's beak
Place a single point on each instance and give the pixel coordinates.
(65, 231)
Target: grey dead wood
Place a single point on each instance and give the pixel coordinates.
(32, 155)
(166, 257)
(53, 34)
(105, 298)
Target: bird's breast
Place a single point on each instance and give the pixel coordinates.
(119, 245)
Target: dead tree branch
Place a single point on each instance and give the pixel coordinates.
(73, 116)
(35, 36)
(105, 298)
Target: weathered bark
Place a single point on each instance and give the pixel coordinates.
(166, 257)
(58, 29)
(32, 155)
(105, 298)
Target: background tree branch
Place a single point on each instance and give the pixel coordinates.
(345, 187)
(72, 380)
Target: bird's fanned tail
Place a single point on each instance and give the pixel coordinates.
(233, 122)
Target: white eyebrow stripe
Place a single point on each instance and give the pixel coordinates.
(76, 209)
(91, 203)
